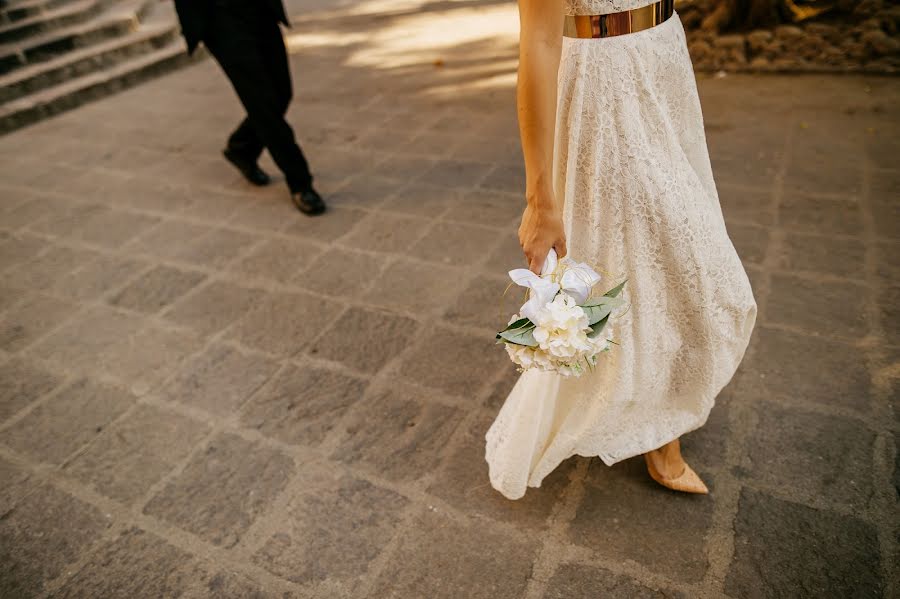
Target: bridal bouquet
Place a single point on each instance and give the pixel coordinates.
(561, 328)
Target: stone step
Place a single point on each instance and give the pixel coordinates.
(79, 90)
(67, 14)
(24, 9)
(42, 75)
(119, 20)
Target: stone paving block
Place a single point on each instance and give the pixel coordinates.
(215, 306)
(365, 340)
(506, 256)
(55, 429)
(225, 584)
(505, 177)
(22, 383)
(130, 456)
(41, 536)
(733, 164)
(888, 269)
(823, 456)
(220, 380)
(339, 272)
(811, 305)
(303, 404)
(157, 288)
(461, 174)
(826, 372)
(441, 558)
(364, 191)
(336, 525)
(168, 239)
(886, 214)
(422, 199)
(284, 323)
(98, 277)
(491, 148)
(460, 364)
(339, 222)
(17, 249)
(488, 208)
(625, 515)
(223, 489)
(114, 228)
(405, 167)
(15, 487)
(386, 233)
(32, 212)
(69, 221)
(576, 581)
(817, 215)
(416, 287)
(267, 214)
(889, 311)
(751, 242)
(432, 144)
(210, 206)
(487, 302)
(135, 564)
(502, 388)
(216, 249)
(822, 254)
(464, 483)
(704, 448)
(277, 259)
(30, 318)
(782, 549)
(398, 434)
(43, 272)
(82, 342)
(457, 245)
(839, 177)
(750, 205)
(144, 360)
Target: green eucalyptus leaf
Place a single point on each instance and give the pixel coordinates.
(598, 327)
(615, 291)
(599, 308)
(521, 336)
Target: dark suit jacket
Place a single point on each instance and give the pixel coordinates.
(195, 16)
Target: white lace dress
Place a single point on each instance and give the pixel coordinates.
(640, 202)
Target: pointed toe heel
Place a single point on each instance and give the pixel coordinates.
(687, 482)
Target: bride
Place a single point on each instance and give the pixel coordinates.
(618, 175)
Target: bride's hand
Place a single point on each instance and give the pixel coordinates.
(541, 229)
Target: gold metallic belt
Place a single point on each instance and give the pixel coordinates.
(618, 23)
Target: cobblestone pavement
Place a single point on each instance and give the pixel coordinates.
(203, 393)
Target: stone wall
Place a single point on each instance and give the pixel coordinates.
(865, 38)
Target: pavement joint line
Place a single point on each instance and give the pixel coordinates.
(124, 518)
(547, 559)
(720, 539)
(883, 502)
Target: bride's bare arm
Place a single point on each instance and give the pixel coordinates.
(540, 43)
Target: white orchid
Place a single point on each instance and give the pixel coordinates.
(559, 328)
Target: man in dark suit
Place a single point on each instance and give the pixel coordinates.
(244, 36)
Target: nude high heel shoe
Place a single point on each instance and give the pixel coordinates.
(686, 482)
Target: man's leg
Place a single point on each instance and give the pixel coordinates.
(244, 142)
(236, 46)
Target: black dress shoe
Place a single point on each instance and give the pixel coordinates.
(250, 170)
(308, 202)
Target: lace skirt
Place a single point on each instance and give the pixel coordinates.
(633, 169)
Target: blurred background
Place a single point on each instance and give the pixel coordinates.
(205, 394)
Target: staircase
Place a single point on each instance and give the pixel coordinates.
(58, 54)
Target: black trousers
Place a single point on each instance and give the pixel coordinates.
(246, 41)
